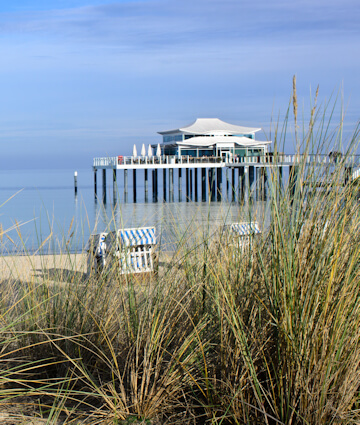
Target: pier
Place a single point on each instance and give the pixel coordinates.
(207, 178)
(211, 157)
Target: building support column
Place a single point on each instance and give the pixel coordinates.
(241, 183)
(227, 182)
(212, 184)
(171, 184)
(146, 184)
(191, 184)
(114, 185)
(104, 185)
(180, 185)
(265, 183)
(203, 184)
(95, 183)
(125, 185)
(252, 182)
(233, 188)
(164, 185)
(219, 184)
(196, 184)
(246, 184)
(187, 183)
(134, 185)
(155, 193)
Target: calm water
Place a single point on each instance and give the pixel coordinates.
(39, 205)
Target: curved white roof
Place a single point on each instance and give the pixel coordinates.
(201, 141)
(212, 126)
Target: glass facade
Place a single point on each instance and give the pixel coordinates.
(173, 138)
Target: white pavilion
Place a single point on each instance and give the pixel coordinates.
(212, 137)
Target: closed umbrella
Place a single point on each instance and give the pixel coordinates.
(150, 152)
(158, 150)
(143, 150)
(134, 151)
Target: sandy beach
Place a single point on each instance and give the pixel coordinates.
(62, 267)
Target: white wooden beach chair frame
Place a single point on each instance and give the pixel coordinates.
(96, 252)
(241, 233)
(135, 250)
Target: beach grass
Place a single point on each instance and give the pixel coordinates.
(265, 334)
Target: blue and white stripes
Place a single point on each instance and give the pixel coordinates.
(137, 236)
(245, 229)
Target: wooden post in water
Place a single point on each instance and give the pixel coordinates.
(203, 184)
(227, 182)
(95, 183)
(252, 182)
(191, 184)
(153, 185)
(265, 177)
(180, 185)
(187, 183)
(171, 185)
(164, 184)
(146, 184)
(134, 185)
(241, 182)
(104, 185)
(247, 183)
(212, 182)
(75, 182)
(219, 184)
(233, 189)
(114, 185)
(156, 185)
(196, 184)
(125, 185)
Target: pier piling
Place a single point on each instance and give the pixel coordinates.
(104, 185)
(171, 184)
(191, 183)
(114, 185)
(187, 183)
(134, 185)
(180, 184)
(125, 185)
(203, 184)
(164, 185)
(75, 182)
(95, 183)
(219, 184)
(146, 183)
(196, 184)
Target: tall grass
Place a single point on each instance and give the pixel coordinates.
(268, 334)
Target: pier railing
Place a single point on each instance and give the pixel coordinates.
(279, 159)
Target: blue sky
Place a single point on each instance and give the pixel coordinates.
(81, 78)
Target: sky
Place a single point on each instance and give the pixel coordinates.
(88, 78)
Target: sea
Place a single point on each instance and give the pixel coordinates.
(41, 213)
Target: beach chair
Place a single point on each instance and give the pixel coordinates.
(133, 249)
(96, 252)
(241, 233)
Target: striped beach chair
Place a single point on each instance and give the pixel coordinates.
(96, 252)
(241, 233)
(134, 249)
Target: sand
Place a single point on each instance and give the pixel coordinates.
(43, 267)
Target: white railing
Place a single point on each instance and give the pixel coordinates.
(112, 162)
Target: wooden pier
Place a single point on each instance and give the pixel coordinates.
(244, 177)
